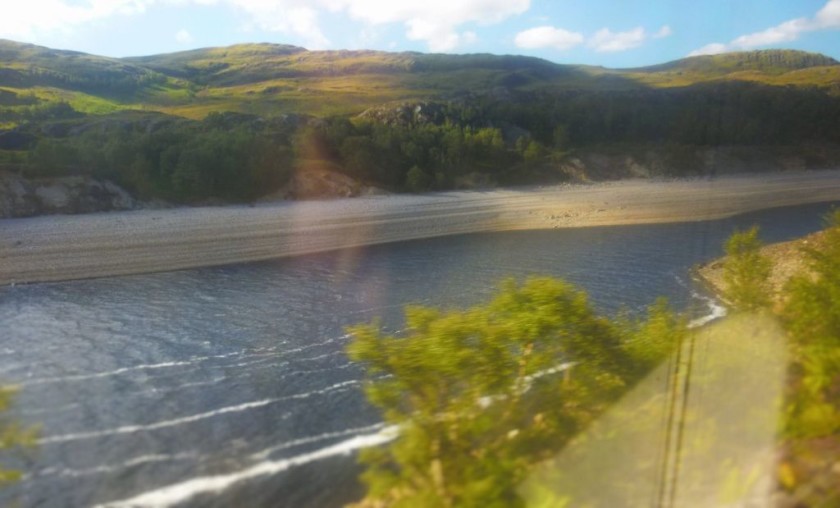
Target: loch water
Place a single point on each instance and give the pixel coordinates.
(229, 386)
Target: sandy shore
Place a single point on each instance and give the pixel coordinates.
(70, 247)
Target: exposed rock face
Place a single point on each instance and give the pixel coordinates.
(17, 197)
(597, 165)
(408, 113)
(322, 184)
(20, 197)
(315, 184)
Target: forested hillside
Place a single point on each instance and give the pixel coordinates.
(236, 123)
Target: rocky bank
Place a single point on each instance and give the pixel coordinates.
(22, 197)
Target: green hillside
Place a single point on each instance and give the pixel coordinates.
(773, 67)
(264, 78)
(34, 80)
(253, 77)
(27, 65)
(203, 66)
(237, 122)
(774, 61)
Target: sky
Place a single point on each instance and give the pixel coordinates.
(611, 33)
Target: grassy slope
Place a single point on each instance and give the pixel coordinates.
(269, 78)
(91, 82)
(251, 77)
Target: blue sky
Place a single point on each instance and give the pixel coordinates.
(612, 33)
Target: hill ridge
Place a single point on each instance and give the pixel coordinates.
(774, 59)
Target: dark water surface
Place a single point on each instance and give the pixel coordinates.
(229, 386)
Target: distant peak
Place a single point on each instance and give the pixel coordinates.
(244, 50)
(767, 60)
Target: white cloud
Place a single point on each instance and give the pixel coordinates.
(32, 17)
(826, 18)
(663, 32)
(829, 15)
(183, 37)
(605, 40)
(438, 23)
(548, 37)
(714, 48)
(785, 32)
(451, 12)
(435, 22)
(469, 37)
(295, 17)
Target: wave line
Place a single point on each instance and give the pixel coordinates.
(180, 492)
(262, 455)
(109, 373)
(131, 429)
(104, 469)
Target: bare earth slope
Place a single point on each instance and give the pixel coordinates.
(70, 247)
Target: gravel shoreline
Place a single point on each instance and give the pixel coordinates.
(54, 248)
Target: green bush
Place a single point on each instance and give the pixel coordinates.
(13, 436)
(746, 272)
(812, 317)
(482, 395)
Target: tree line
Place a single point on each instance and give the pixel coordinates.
(518, 139)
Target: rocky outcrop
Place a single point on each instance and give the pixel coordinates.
(615, 163)
(321, 183)
(20, 197)
(413, 113)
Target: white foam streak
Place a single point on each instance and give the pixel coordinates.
(315, 371)
(716, 311)
(264, 454)
(317, 344)
(213, 357)
(184, 491)
(320, 357)
(267, 353)
(151, 366)
(331, 388)
(553, 370)
(248, 364)
(131, 429)
(109, 373)
(105, 469)
(199, 383)
(158, 391)
(524, 384)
